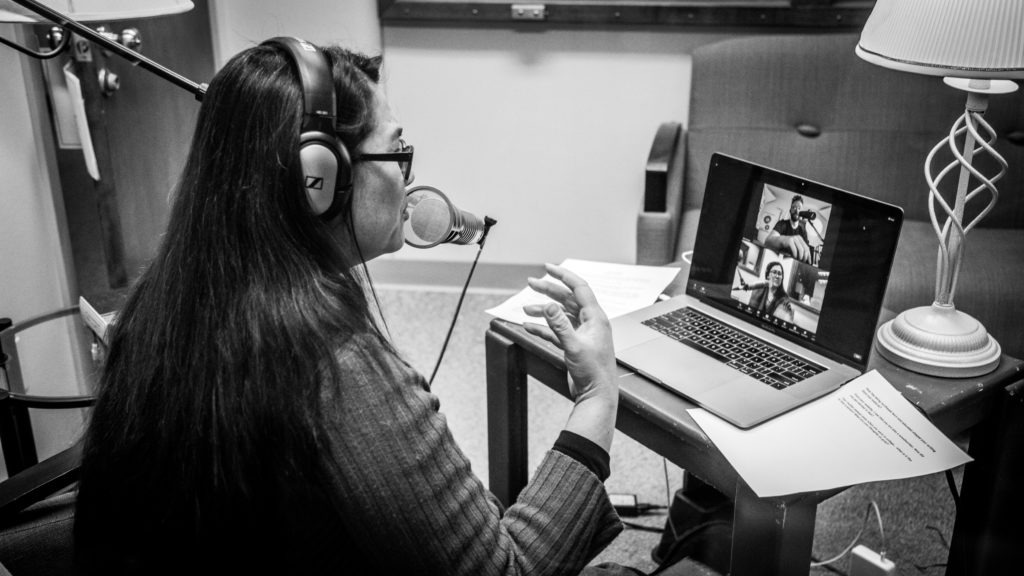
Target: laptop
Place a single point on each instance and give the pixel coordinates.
(768, 322)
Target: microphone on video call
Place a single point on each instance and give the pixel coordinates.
(434, 220)
(754, 286)
(807, 214)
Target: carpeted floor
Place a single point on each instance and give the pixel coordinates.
(917, 514)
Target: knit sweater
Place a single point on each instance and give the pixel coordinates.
(414, 505)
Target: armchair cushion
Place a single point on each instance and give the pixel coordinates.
(41, 542)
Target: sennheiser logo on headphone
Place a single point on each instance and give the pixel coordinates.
(314, 182)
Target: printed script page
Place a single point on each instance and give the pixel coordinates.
(864, 432)
(619, 288)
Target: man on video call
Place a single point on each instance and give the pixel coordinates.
(790, 235)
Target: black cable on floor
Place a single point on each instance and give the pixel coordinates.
(636, 526)
(951, 482)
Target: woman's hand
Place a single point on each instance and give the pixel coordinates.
(580, 328)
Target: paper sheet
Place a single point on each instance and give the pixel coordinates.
(619, 288)
(78, 106)
(864, 432)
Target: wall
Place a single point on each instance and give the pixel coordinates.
(545, 130)
(238, 25)
(33, 247)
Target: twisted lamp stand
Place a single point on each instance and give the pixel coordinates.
(940, 340)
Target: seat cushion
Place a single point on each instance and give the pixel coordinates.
(42, 540)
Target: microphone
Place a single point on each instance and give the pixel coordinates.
(432, 219)
(754, 286)
(808, 214)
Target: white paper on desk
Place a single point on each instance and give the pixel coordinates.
(864, 432)
(619, 288)
(78, 107)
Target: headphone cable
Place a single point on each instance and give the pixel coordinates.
(488, 222)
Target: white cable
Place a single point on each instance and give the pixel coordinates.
(867, 514)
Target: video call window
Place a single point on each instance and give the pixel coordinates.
(780, 276)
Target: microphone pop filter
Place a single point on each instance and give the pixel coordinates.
(432, 219)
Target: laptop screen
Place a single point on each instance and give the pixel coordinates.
(801, 259)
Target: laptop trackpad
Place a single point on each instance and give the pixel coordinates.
(677, 366)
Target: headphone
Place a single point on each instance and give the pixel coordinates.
(326, 164)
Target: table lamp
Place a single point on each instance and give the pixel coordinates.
(93, 84)
(68, 15)
(94, 10)
(978, 47)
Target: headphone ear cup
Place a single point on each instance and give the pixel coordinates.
(326, 169)
(343, 183)
(319, 162)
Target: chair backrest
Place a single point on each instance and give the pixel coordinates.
(807, 104)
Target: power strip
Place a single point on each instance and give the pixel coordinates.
(867, 562)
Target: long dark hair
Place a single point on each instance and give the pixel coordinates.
(206, 447)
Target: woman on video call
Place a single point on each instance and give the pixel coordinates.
(253, 416)
(771, 297)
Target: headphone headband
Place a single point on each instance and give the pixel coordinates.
(326, 165)
(318, 99)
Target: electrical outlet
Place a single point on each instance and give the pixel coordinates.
(867, 562)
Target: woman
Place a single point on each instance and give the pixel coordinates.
(252, 416)
(770, 297)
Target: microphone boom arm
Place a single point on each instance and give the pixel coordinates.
(65, 21)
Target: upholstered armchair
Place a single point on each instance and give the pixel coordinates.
(807, 104)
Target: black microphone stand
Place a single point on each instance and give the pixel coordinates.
(488, 223)
(67, 23)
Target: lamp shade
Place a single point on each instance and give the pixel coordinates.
(979, 39)
(95, 10)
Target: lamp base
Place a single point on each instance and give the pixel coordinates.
(938, 340)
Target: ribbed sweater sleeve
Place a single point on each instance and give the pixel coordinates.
(413, 504)
(586, 451)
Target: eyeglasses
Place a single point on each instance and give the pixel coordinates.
(775, 272)
(403, 157)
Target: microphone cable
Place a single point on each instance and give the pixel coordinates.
(488, 222)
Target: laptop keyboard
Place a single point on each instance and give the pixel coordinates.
(752, 356)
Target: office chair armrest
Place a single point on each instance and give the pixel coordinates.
(39, 481)
(658, 223)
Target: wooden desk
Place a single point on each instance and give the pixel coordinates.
(769, 535)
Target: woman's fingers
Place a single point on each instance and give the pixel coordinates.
(560, 328)
(570, 290)
(576, 284)
(556, 291)
(542, 331)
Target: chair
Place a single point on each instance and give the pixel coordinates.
(37, 499)
(807, 104)
(37, 516)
